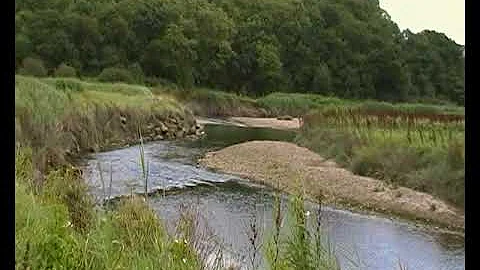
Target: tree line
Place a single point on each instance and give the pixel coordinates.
(344, 48)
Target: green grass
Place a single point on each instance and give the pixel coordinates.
(60, 118)
(216, 103)
(48, 235)
(123, 88)
(299, 244)
(426, 153)
(58, 227)
(297, 104)
(206, 102)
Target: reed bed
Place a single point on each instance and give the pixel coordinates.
(420, 150)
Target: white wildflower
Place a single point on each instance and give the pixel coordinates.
(184, 260)
(307, 213)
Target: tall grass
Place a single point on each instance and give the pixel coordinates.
(59, 123)
(295, 242)
(216, 103)
(299, 104)
(59, 228)
(421, 150)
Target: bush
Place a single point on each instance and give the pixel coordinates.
(116, 75)
(65, 71)
(68, 85)
(33, 67)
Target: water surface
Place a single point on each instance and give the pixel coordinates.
(228, 203)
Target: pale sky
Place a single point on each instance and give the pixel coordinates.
(444, 16)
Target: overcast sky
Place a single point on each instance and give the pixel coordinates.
(445, 16)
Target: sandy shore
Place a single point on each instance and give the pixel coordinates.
(293, 168)
(267, 122)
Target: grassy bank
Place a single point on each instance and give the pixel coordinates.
(424, 151)
(58, 227)
(57, 224)
(59, 118)
(299, 104)
(215, 103)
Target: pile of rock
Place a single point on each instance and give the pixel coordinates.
(173, 129)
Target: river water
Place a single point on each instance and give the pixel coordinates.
(228, 203)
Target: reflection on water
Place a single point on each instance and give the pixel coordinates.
(228, 204)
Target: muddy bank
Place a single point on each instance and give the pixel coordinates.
(293, 168)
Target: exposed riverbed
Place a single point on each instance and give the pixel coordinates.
(228, 202)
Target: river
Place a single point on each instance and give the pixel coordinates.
(227, 203)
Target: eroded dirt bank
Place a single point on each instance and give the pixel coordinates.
(293, 168)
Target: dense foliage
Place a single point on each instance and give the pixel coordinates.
(346, 48)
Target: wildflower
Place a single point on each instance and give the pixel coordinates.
(307, 213)
(185, 242)
(68, 224)
(184, 260)
(176, 241)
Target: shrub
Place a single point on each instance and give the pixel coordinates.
(33, 67)
(65, 71)
(68, 85)
(116, 75)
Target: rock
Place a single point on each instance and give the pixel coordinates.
(198, 126)
(192, 130)
(171, 127)
(192, 137)
(179, 134)
(123, 120)
(158, 138)
(163, 127)
(158, 130)
(173, 120)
